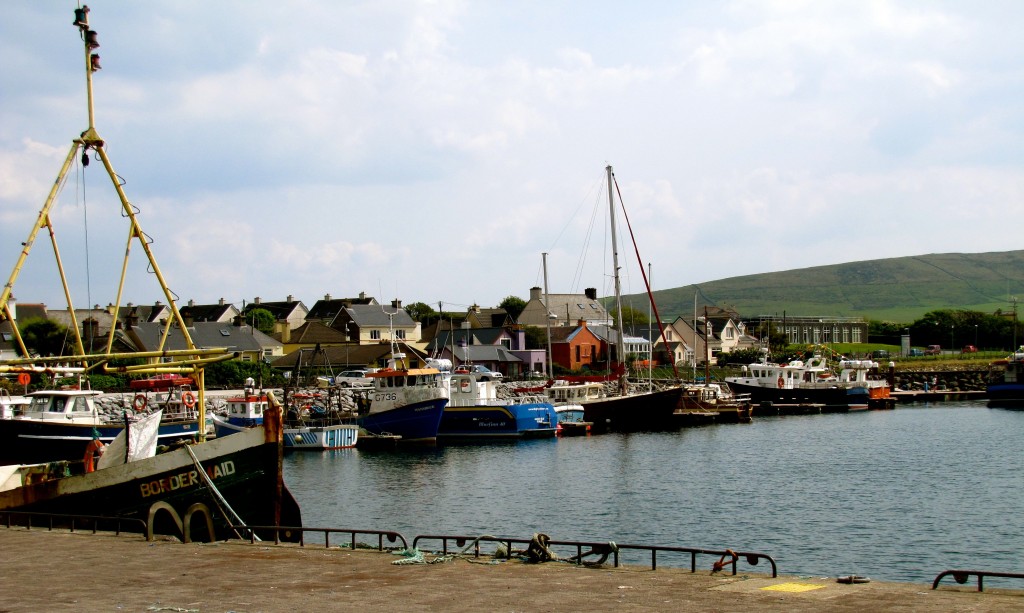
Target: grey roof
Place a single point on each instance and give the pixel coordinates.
(378, 315)
(484, 353)
(204, 334)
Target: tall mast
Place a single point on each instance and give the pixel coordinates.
(615, 270)
(547, 318)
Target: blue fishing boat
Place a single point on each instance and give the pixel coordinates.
(1005, 389)
(407, 402)
(474, 411)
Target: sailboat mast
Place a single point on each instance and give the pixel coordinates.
(615, 269)
(547, 318)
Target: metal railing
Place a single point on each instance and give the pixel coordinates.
(961, 576)
(390, 535)
(51, 520)
(604, 549)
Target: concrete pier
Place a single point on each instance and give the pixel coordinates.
(64, 571)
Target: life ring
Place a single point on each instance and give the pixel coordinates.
(140, 402)
(781, 383)
(93, 449)
(188, 399)
(24, 378)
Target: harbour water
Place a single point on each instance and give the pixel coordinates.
(893, 495)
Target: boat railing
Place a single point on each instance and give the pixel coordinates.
(961, 576)
(390, 535)
(604, 549)
(50, 521)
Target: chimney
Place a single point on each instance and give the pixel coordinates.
(157, 305)
(256, 300)
(12, 304)
(220, 302)
(396, 304)
(327, 297)
(238, 321)
(131, 320)
(281, 327)
(475, 308)
(536, 293)
(581, 323)
(191, 302)
(591, 293)
(362, 295)
(188, 319)
(290, 298)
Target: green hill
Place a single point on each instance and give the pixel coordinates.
(895, 289)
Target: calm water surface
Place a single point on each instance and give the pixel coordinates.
(895, 495)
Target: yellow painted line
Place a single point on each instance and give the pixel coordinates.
(793, 587)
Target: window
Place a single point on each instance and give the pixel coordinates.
(375, 335)
(400, 334)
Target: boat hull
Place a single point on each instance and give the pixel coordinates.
(649, 412)
(526, 420)
(834, 399)
(245, 469)
(416, 422)
(31, 441)
(1006, 396)
(321, 438)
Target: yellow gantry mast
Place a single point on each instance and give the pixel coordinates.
(190, 360)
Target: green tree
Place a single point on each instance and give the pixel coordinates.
(513, 305)
(536, 337)
(43, 337)
(420, 311)
(261, 319)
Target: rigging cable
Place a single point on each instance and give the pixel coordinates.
(85, 221)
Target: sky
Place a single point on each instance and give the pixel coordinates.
(432, 151)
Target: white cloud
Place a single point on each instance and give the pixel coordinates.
(322, 148)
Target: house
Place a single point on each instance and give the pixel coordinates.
(374, 323)
(563, 309)
(343, 357)
(223, 311)
(488, 318)
(502, 349)
(309, 335)
(577, 347)
(328, 309)
(813, 330)
(250, 343)
(291, 312)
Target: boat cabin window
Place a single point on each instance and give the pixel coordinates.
(57, 406)
(79, 405)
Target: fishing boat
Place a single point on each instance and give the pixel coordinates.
(571, 421)
(1005, 387)
(199, 490)
(58, 424)
(814, 383)
(404, 402)
(303, 429)
(11, 405)
(474, 411)
(713, 403)
(631, 409)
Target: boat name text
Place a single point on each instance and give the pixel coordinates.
(185, 479)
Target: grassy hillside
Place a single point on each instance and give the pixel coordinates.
(895, 289)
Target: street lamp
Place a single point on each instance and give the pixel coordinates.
(951, 345)
(975, 336)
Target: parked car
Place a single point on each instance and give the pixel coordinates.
(933, 350)
(879, 354)
(915, 352)
(483, 373)
(969, 349)
(353, 378)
